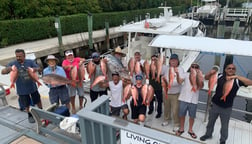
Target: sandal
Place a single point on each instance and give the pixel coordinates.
(179, 132)
(192, 134)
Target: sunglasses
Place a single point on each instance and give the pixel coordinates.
(139, 78)
(231, 68)
(195, 66)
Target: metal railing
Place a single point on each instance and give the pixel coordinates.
(98, 128)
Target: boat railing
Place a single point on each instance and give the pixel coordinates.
(97, 127)
(208, 104)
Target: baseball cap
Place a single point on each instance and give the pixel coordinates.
(139, 77)
(174, 56)
(95, 55)
(69, 52)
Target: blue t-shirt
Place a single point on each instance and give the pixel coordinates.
(58, 70)
(24, 84)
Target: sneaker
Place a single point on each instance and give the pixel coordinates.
(150, 112)
(165, 123)
(175, 129)
(158, 115)
(31, 119)
(205, 137)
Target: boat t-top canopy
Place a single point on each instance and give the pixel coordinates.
(208, 0)
(204, 44)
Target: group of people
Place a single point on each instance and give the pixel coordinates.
(181, 97)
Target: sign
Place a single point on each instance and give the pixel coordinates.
(133, 138)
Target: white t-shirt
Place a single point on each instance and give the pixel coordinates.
(116, 94)
(175, 87)
(186, 94)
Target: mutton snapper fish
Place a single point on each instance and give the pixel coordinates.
(54, 79)
(116, 66)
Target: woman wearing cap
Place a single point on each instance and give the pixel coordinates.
(171, 104)
(188, 99)
(59, 92)
(67, 65)
(138, 111)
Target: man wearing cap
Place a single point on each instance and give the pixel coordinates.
(96, 90)
(223, 107)
(59, 92)
(67, 65)
(27, 89)
(188, 98)
(171, 104)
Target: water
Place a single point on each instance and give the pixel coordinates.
(243, 65)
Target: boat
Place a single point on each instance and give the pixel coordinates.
(209, 11)
(141, 33)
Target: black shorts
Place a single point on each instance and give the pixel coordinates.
(137, 110)
(115, 111)
(26, 99)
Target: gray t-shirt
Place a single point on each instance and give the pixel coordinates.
(98, 72)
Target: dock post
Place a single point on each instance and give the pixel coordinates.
(107, 35)
(90, 30)
(59, 32)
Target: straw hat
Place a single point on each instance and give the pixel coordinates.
(118, 50)
(51, 57)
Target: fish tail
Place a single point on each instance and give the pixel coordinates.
(209, 92)
(193, 89)
(12, 86)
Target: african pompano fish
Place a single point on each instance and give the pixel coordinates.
(227, 88)
(211, 82)
(13, 76)
(54, 79)
(34, 76)
(116, 66)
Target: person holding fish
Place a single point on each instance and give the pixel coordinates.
(23, 73)
(72, 66)
(228, 84)
(59, 91)
(170, 99)
(191, 82)
(117, 103)
(97, 72)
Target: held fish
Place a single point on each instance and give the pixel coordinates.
(227, 88)
(126, 92)
(199, 79)
(211, 82)
(33, 75)
(164, 84)
(73, 75)
(131, 66)
(159, 66)
(91, 69)
(54, 79)
(150, 95)
(97, 80)
(13, 76)
(153, 68)
(81, 73)
(147, 69)
(144, 92)
(137, 67)
(134, 93)
(192, 79)
(171, 76)
(104, 68)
